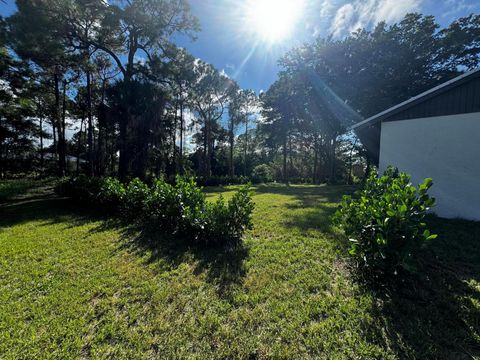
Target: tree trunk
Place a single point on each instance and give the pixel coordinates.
(1, 159)
(349, 181)
(285, 175)
(101, 144)
(123, 158)
(206, 157)
(174, 139)
(315, 160)
(333, 159)
(1, 155)
(231, 140)
(290, 155)
(55, 143)
(181, 138)
(58, 122)
(79, 147)
(64, 114)
(41, 144)
(246, 148)
(90, 124)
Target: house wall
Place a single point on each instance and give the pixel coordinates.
(445, 148)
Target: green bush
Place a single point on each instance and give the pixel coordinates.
(385, 222)
(135, 199)
(227, 221)
(111, 194)
(162, 207)
(181, 209)
(262, 174)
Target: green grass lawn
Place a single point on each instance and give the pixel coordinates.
(74, 285)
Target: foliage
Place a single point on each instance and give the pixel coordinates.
(180, 209)
(112, 194)
(134, 201)
(262, 174)
(385, 222)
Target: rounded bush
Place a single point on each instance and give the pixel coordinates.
(385, 222)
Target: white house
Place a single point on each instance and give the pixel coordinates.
(435, 134)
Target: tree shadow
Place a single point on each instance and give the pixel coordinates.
(308, 194)
(48, 209)
(223, 265)
(435, 313)
(319, 204)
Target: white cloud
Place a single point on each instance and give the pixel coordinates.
(366, 13)
(394, 10)
(457, 6)
(343, 20)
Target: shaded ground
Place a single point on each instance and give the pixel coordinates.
(75, 285)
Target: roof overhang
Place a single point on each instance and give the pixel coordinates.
(415, 100)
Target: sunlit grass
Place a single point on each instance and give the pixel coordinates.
(74, 285)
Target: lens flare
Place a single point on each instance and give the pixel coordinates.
(273, 20)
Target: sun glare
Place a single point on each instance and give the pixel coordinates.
(273, 20)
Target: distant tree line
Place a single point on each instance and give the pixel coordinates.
(328, 85)
(100, 88)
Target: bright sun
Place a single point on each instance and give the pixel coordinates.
(273, 20)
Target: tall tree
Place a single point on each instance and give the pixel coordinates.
(139, 28)
(210, 96)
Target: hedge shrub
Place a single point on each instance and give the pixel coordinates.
(385, 222)
(181, 209)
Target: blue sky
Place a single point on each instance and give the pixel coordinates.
(224, 43)
(227, 42)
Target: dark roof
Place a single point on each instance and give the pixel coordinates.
(459, 80)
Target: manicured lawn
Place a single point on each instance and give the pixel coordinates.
(74, 285)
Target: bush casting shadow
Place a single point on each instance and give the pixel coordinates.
(434, 314)
(224, 265)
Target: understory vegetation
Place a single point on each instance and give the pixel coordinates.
(74, 284)
(179, 209)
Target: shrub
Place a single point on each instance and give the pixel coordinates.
(240, 209)
(135, 199)
(161, 205)
(180, 209)
(385, 222)
(262, 174)
(192, 208)
(226, 222)
(111, 194)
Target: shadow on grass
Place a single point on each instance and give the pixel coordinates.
(307, 193)
(318, 203)
(435, 313)
(48, 209)
(224, 266)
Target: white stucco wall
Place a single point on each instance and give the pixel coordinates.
(445, 148)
